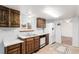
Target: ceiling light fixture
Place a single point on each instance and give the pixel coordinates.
(68, 21)
(52, 12)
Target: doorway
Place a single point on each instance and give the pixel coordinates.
(66, 32)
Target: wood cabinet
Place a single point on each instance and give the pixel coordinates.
(36, 43)
(47, 39)
(41, 23)
(9, 17)
(14, 49)
(30, 45)
(14, 18)
(4, 16)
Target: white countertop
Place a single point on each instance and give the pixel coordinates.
(11, 42)
(16, 41)
(33, 35)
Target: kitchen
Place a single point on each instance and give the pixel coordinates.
(20, 40)
(27, 29)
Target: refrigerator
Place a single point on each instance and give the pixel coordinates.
(50, 29)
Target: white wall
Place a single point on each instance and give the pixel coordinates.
(75, 22)
(9, 33)
(66, 28)
(1, 46)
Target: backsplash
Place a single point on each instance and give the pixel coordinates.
(8, 33)
(13, 33)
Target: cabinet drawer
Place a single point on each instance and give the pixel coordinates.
(13, 47)
(14, 51)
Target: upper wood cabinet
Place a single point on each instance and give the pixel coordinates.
(14, 18)
(4, 16)
(9, 17)
(41, 23)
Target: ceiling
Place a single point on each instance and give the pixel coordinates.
(65, 11)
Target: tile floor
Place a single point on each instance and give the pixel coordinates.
(58, 49)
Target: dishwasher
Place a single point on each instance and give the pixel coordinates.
(42, 41)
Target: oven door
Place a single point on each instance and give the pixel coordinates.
(42, 42)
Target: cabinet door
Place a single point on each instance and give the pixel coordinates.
(1, 16)
(17, 19)
(36, 43)
(47, 39)
(4, 16)
(30, 45)
(41, 23)
(14, 18)
(9, 17)
(13, 49)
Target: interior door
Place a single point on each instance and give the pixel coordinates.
(58, 32)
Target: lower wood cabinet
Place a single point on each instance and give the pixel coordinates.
(47, 39)
(36, 43)
(14, 49)
(33, 44)
(30, 45)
